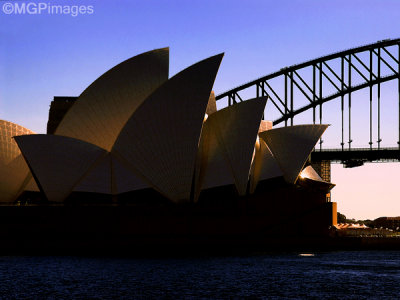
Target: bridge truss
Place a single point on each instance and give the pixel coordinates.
(332, 77)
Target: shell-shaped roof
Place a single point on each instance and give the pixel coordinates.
(265, 165)
(125, 178)
(235, 128)
(31, 185)
(309, 172)
(309, 177)
(110, 175)
(59, 163)
(102, 110)
(8, 148)
(212, 104)
(291, 146)
(98, 179)
(212, 169)
(14, 173)
(160, 140)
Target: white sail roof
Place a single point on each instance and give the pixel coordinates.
(14, 173)
(291, 146)
(309, 177)
(235, 129)
(125, 178)
(31, 185)
(161, 138)
(265, 165)
(309, 172)
(102, 110)
(59, 163)
(110, 175)
(213, 169)
(212, 104)
(98, 179)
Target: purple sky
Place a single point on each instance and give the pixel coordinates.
(46, 55)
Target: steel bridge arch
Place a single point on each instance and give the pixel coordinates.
(312, 89)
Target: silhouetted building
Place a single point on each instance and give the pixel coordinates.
(138, 138)
(58, 108)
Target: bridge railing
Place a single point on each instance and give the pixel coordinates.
(356, 149)
(356, 156)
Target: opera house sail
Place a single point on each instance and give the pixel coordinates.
(227, 145)
(104, 107)
(161, 138)
(57, 170)
(158, 149)
(15, 176)
(291, 146)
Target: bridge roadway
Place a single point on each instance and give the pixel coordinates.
(356, 156)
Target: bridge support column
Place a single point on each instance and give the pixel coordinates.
(323, 168)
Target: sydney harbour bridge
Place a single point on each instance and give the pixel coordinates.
(303, 93)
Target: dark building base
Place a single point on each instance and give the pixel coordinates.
(144, 222)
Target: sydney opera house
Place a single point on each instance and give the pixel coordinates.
(152, 159)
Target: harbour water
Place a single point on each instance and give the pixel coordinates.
(327, 275)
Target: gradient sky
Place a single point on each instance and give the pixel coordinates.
(42, 56)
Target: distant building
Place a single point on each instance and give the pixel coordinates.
(357, 230)
(58, 108)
